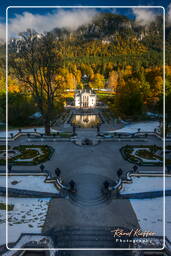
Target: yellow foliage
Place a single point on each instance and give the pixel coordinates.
(97, 82)
(113, 80)
(168, 70)
(14, 85)
(71, 81)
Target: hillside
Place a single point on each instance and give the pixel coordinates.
(114, 38)
(111, 53)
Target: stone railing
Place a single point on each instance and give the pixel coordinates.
(117, 186)
(122, 136)
(60, 185)
(36, 136)
(17, 135)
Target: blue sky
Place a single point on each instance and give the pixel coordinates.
(4, 4)
(44, 18)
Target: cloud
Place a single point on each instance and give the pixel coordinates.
(70, 19)
(168, 17)
(144, 16)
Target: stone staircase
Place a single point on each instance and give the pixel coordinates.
(87, 237)
(93, 253)
(94, 201)
(89, 190)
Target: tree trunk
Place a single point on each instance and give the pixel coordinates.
(47, 126)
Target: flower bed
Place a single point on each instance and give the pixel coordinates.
(30, 155)
(3, 147)
(144, 154)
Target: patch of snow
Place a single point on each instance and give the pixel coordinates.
(149, 213)
(48, 243)
(145, 184)
(148, 126)
(28, 216)
(27, 130)
(35, 183)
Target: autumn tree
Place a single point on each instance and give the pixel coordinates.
(97, 82)
(2, 83)
(129, 100)
(160, 105)
(168, 113)
(71, 81)
(87, 70)
(35, 63)
(113, 80)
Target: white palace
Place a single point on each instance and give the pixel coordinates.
(85, 99)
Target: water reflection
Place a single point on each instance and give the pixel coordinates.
(86, 121)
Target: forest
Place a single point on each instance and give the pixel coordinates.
(114, 54)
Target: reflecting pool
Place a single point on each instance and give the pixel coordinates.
(86, 121)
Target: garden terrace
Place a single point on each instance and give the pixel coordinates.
(145, 154)
(27, 155)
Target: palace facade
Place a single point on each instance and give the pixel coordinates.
(85, 99)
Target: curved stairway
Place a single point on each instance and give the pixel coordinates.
(89, 190)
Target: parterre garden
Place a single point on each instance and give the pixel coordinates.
(26, 154)
(145, 154)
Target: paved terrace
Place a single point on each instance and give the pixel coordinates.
(103, 159)
(89, 166)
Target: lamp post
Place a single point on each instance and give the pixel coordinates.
(57, 172)
(119, 173)
(73, 130)
(135, 168)
(42, 167)
(72, 186)
(9, 167)
(106, 184)
(98, 130)
(106, 187)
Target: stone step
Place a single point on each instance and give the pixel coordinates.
(93, 253)
(87, 237)
(90, 202)
(89, 190)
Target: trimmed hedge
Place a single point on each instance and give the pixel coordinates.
(29, 151)
(65, 135)
(3, 206)
(128, 149)
(145, 154)
(3, 147)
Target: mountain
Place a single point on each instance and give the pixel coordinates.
(114, 30)
(107, 25)
(114, 35)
